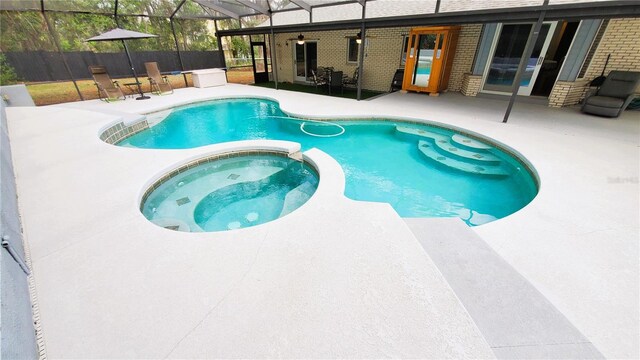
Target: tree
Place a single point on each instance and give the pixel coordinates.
(27, 31)
(239, 47)
(24, 31)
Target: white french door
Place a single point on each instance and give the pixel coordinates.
(305, 59)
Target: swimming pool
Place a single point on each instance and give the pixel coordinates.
(421, 170)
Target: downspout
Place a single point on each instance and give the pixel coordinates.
(57, 43)
(531, 42)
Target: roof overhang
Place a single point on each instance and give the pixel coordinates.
(569, 12)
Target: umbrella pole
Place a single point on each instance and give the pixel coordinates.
(133, 70)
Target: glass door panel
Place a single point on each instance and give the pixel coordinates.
(300, 63)
(305, 60)
(424, 59)
(506, 57)
(507, 54)
(259, 59)
(311, 59)
(537, 57)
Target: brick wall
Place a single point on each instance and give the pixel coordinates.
(470, 84)
(382, 54)
(383, 57)
(465, 52)
(620, 39)
(566, 93)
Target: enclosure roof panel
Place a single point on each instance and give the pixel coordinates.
(161, 8)
(310, 12)
(90, 6)
(120, 34)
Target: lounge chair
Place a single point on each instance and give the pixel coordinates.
(614, 95)
(108, 90)
(159, 83)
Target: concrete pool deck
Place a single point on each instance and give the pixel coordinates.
(110, 284)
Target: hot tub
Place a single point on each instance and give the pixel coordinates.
(228, 193)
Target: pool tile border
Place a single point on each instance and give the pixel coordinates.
(119, 131)
(211, 158)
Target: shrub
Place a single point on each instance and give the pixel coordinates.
(8, 75)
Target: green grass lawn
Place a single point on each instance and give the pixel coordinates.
(347, 93)
(63, 91)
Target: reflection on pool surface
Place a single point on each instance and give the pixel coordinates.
(230, 193)
(422, 171)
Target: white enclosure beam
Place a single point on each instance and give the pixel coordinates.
(255, 6)
(302, 4)
(216, 6)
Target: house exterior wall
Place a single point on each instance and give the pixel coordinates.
(620, 39)
(383, 53)
(468, 40)
(384, 49)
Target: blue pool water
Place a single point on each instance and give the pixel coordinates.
(231, 193)
(422, 171)
(424, 70)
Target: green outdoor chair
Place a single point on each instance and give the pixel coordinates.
(614, 95)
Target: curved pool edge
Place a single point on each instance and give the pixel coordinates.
(373, 118)
(528, 165)
(331, 179)
(151, 274)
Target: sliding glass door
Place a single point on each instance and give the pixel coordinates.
(507, 51)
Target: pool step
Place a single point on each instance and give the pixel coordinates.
(430, 151)
(406, 130)
(446, 147)
(469, 143)
(472, 151)
(295, 197)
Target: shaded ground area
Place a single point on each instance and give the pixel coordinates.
(323, 90)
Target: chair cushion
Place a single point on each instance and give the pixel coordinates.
(620, 84)
(605, 101)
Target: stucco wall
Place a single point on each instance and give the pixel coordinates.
(17, 337)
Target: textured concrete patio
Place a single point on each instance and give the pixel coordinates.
(337, 278)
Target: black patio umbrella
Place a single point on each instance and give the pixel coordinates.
(122, 34)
